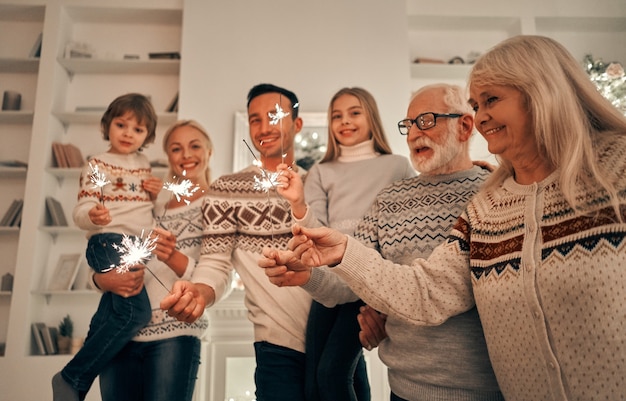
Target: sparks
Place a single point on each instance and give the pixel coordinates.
(279, 115)
(182, 189)
(97, 178)
(267, 181)
(134, 251)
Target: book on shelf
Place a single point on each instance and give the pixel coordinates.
(164, 56)
(66, 155)
(54, 213)
(173, 105)
(40, 348)
(13, 216)
(13, 163)
(35, 51)
(49, 336)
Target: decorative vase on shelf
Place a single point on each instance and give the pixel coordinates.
(76, 344)
(64, 340)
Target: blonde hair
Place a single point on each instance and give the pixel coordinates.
(568, 113)
(373, 118)
(205, 134)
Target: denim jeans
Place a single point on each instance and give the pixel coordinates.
(336, 368)
(279, 374)
(163, 370)
(114, 324)
(101, 255)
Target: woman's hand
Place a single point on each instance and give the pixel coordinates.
(125, 285)
(99, 215)
(152, 186)
(318, 246)
(167, 253)
(291, 188)
(187, 300)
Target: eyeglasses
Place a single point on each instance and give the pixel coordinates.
(424, 121)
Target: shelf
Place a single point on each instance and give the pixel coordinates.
(440, 71)
(93, 117)
(48, 294)
(12, 172)
(56, 230)
(5, 293)
(99, 66)
(9, 230)
(16, 117)
(19, 65)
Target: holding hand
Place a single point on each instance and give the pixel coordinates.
(186, 301)
(125, 285)
(99, 215)
(372, 326)
(152, 186)
(291, 188)
(318, 246)
(283, 268)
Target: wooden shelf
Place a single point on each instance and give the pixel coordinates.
(16, 117)
(9, 230)
(12, 172)
(19, 65)
(93, 117)
(98, 66)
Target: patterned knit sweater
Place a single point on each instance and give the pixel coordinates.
(185, 222)
(239, 221)
(408, 220)
(550, 285)
(129, 205)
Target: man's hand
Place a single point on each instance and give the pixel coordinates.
(372, 326)
(186, 301)
(283, 268)
(318, 246)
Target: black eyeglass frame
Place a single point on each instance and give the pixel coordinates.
(402, 124)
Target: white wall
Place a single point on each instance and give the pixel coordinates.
(311, 47)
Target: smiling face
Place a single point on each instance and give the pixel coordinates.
(126, 134)
(503, 120)
(438, 150)
(188, 153)
(349, 123)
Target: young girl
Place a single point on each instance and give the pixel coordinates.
(124, 206)
(338, 191)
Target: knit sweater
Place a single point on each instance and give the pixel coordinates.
(239, 221)
(549, 285)
(185, 222)
(341, 191)
(408, 220)
(129, 204)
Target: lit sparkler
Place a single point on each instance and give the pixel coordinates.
(182, 189)
(136, 251)
(98, 179)
(279, 115)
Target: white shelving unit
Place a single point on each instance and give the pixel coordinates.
(18, 73)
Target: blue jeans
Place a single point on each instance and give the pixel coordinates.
(101, 254)
(394, 397)
(162, 370)
(279, 373)
(336, 368)
(114, 324)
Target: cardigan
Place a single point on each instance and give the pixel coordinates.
(549, 284)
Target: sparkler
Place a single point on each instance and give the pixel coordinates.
(182, 189)
(134, 251)
(98, 179)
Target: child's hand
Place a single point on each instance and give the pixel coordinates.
(99, 215)
(291, 188)
(152, 186)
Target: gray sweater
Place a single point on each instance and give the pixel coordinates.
(407, 220)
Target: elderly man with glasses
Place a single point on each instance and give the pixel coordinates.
(407, 220)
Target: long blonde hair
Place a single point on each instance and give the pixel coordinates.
(205, 134)
(373, 118)
(568, 113)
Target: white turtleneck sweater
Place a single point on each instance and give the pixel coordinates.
(340, 192)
